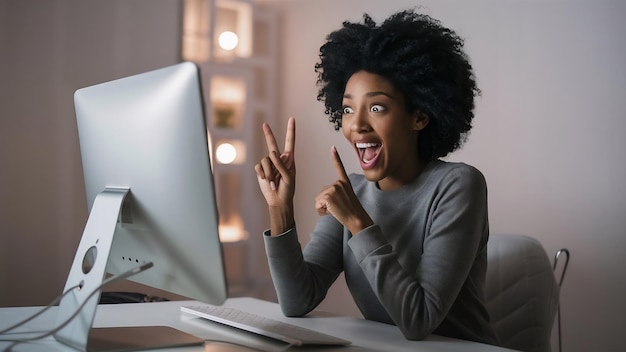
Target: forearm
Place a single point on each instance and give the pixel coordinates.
(300, 286)
(281, 219)
(416, 312)
(417, 301)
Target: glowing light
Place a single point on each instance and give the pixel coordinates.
(232, 233)
(228, 40)
(226, 153)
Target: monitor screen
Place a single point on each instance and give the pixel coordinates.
(145, 137)
(148, 133)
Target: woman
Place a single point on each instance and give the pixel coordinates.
(410, 234)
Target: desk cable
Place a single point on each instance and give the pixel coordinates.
(54, 302)
(131, 272)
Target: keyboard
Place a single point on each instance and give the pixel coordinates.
(292, 334)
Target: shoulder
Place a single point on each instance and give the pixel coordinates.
(458, 173)
(437, 175)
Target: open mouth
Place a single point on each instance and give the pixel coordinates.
(368, 153)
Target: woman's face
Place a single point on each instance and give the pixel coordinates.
(382, 132)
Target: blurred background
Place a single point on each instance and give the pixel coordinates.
(547, 134)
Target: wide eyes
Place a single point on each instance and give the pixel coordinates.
(377, 108)
(373, 108)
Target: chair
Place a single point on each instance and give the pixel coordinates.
(521, 292)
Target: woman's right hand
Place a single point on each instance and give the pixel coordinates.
(276, 174)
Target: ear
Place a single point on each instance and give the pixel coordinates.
(421, 120)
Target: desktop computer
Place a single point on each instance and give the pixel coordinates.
(153, 218)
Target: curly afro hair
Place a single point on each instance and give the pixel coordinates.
(421, 58)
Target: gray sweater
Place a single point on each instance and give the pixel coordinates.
(421, 266)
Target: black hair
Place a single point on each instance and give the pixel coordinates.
(421, 58)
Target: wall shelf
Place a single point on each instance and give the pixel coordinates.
(239, 95)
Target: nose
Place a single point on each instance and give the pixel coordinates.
(360, 123)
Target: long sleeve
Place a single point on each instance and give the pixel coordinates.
(301, 285)
(421, 266)
(419, 300)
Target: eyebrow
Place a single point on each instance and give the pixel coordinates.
(371, 94)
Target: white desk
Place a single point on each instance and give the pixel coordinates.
(365, 335)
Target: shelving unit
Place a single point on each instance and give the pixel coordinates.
(239, 94)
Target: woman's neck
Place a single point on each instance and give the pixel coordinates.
(391, 183)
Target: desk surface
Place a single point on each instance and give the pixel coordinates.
(365, 335)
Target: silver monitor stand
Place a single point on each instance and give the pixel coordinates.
(78, 308)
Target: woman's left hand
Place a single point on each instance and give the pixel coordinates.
(340, 201)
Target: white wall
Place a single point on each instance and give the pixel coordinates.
(48, 49)
(547, 133)
(547, 136)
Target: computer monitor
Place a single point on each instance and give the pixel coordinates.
(146, 159)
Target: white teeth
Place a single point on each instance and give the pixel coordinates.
(366, 145)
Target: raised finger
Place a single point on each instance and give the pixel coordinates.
(341, 171)
(290, 138)
(272, 146)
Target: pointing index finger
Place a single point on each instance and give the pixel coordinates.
(272, 146)
(290, 138)
(341, 171)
